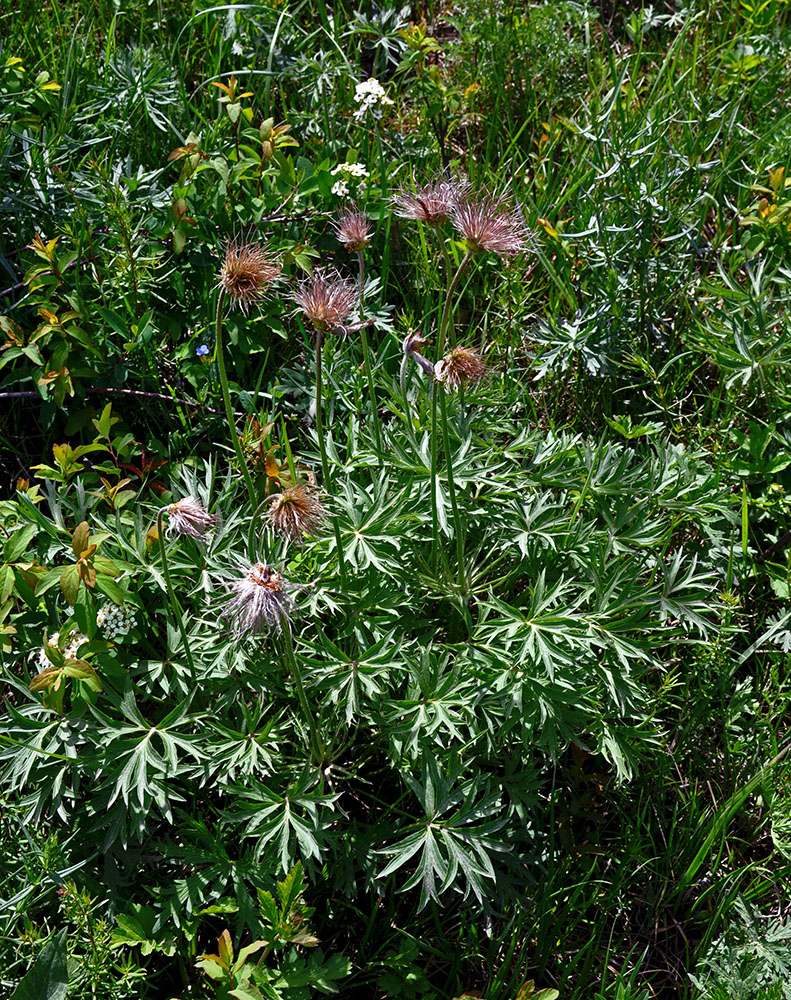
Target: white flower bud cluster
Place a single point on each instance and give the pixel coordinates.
(371, 96)
(114, 621)
(347, 171)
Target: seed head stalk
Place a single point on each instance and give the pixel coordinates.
(316, 745)
(457, 522)
(367, 358)
(252, 548)
(447, 313)
(325, 465)
(178, 614)
(226, 396)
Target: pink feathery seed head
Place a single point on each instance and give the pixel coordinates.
(189, 517)
(295, 512)
(246, 273)
(353, 229)
(488, 223)
(460, 366)
(326, 299)
(260, 601)
(432, 203)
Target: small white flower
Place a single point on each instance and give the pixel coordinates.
(114, 621)
(371, 97)
(341, 188)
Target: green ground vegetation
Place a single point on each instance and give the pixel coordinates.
(514, 725)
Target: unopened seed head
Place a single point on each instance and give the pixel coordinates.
(432, 203)
(353, 229)
(487, 223)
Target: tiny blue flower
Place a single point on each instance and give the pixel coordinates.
(202, 351)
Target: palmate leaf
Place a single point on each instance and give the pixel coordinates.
(291, 823)
(454, 844)
(148, 753)
(358, 677)
(438, 704)
(369, 520)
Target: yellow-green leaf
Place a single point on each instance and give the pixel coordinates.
(70, 583)
(79, 540)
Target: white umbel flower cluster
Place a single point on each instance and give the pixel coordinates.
(114, 621)
(111, 621)
(345, 171)
(371, 97)
(69, 650)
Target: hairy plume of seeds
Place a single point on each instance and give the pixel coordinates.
(260, 601)
(295, 512)
(353, 229)
(460, 366)
(432, 203)
(326, 300)
(488, 223)
(189, 517)
(246, 273)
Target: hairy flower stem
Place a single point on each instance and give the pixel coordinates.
(325, 465)
(367, 359)
(226, 396)
(178, 614)
(316, 746)
(447, 313)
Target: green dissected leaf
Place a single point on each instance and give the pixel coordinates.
(291, 888)
(270, 914)
(48, 978)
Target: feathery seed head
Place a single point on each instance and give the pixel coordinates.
(295, 512)
(326, 299)
(488, 223)
(352, 229)
(432, 203)
(260, 601)
(246, 273)
(190, 517)
(460, 366)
